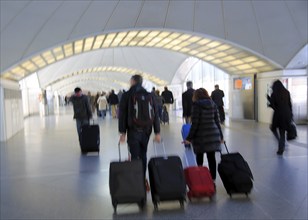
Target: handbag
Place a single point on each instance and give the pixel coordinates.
(291, 132)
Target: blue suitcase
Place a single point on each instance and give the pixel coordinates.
(185, 132)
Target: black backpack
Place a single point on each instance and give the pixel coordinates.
(143, 112)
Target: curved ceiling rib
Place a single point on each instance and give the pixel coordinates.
(226, 56)
(115, 69)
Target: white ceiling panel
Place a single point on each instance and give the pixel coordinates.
(149, 16)
(241, 24)
(125, 15)
(180, 15)
(60, 25)
(278, 33)
(209, 19)
(95, 18)
(9, 10)
(36, 14)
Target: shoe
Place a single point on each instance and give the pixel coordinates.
(279, 152)
(147, 185)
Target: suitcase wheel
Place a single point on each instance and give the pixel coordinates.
(155, 207)
(114, 204)
(182, 203)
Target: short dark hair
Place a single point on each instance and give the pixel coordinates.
(217, 86)
(77, 89)
(189, 84)
(138, 79)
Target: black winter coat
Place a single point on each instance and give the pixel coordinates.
(205, 133)
(187, 102)
(113, 99)
(167, 96)
(82, 107)
(281, 104)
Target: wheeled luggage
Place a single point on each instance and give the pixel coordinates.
(165, 115)
(90, 138)
(235, 173)
(185, 132)
(198, 178)
(167, 179)
(127, 182)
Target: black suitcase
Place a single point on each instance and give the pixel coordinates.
(90, 138)
(165, 115)
(127, 183)
(235, 173)
(167, 179)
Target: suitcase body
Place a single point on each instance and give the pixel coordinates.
(165, 115)
(90, 139)
(199, 182)
(235, 174)
(127, 183)
(167, 180)
(185, 132)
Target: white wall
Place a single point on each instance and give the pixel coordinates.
(11, 109)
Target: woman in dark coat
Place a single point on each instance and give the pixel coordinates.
(280, 102)
(205, 133)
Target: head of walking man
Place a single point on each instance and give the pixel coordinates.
(136, 80)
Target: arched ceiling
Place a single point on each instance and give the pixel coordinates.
(237, 36)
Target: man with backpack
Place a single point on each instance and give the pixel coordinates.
(138, 113)
(168, 98)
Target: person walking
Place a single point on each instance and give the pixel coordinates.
(159, 103)
(138, 127)
(205, 134)
(280, 102)
(187, 102)
(113, 101)
(102, 105)
(82, 110)
(217, 96)
(168, 98)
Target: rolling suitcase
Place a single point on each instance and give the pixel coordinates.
(167, 179)
(185, 132)
(127, 182)
(90, 139)
(235, 173)
(198, 180)
(165, 115)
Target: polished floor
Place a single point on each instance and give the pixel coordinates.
(44, 176)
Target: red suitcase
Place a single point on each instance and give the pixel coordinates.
(199, 181)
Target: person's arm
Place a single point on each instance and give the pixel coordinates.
(195, 118)
(156, 123)
(184, 105)
(123, 114)
(88, 107)
(217, 122)
(290, 104)
(172, 99)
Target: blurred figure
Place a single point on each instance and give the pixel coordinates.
(82, 110)
(153, 90)
(280, 102)
(187, 101)
(113, 101)
(96, 105)
(217, 96)
(102, 105)
(159, 103)
(167, 97)
(120, 93)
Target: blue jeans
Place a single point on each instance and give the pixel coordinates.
(79, 124)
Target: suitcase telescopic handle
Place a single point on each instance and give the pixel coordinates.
(155, 147)
(119, 148)
(226, 147)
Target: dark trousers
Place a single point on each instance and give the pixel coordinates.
(211, 160)
(221, 113)
(79, 124)
(281, 137)
(138, 146)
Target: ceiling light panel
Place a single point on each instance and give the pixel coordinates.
(216, 52)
